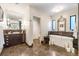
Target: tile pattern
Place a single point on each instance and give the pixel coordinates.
(37, 50)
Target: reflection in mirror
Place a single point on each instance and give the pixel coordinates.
(13, 22)
(53, 25)
(62, 24)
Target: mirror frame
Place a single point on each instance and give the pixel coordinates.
(62, 19)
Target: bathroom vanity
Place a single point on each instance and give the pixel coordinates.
(13, 37)
(62, 39)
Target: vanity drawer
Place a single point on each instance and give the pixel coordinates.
(6, 36)
(13, 39)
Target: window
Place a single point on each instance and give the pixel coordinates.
(72, 22)
(52, 25)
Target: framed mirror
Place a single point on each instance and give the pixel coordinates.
(13, 22)
(62, 24)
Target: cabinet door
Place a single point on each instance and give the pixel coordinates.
(58, 41)
(15, 39)
(51, 39)
(64, 43)
(68, 41)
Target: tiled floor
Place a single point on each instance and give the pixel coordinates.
(37, 50)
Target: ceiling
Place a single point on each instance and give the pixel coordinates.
(47, 7)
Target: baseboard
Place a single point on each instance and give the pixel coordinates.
(29, 45)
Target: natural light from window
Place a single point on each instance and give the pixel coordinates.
(72, 23)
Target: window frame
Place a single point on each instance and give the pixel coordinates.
(70, 21)
(52, 25)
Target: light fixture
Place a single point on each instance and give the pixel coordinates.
(57, 9)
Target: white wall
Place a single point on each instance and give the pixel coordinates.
(43, 20)
(67, 15)
(18, 10)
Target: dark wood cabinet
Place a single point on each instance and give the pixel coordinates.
(75, 43)
(46, 39)
(14, 39)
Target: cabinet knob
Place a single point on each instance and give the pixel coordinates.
(6, 39)
(6, 44)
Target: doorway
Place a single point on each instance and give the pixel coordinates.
(36, 27)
